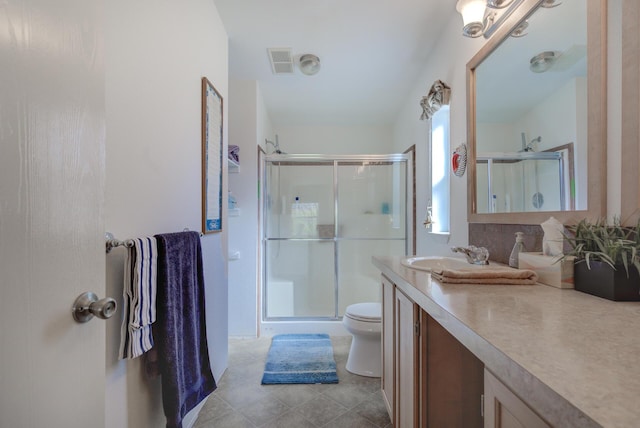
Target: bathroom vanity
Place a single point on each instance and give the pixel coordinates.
(505, 355)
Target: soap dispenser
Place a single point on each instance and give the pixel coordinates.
(517, 249)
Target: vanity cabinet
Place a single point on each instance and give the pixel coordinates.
(503, 409)
(429, 379)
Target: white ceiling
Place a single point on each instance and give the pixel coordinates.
(371, 53)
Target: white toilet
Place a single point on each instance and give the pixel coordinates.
(364, 322)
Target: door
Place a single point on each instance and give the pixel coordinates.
(299, 251)
(52, 143)
(371, 213)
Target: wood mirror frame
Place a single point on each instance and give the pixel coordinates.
(596, 119)
(630, 210)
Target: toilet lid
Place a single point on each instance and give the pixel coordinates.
(364, 311)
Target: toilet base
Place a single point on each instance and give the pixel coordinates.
(365, 356)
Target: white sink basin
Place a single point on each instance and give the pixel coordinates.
(427, 263)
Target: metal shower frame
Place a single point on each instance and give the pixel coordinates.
(336, 160)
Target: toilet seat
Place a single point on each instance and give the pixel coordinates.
(364, 312)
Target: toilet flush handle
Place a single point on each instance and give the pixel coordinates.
(87, 306)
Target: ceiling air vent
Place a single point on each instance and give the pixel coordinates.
(281, 60)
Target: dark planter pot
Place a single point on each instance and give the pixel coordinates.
(602, 281)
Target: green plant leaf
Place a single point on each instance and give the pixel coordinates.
(610, 243)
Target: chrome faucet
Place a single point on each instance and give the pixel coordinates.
(475, 255)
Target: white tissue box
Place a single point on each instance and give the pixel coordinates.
(550, 272)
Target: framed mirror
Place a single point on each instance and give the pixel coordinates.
(539, 84)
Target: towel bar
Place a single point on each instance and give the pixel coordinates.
(112, 242)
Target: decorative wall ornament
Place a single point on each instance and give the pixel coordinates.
(438, 95)
(459, 160)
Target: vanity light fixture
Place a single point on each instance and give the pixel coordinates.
(309, 64)
(473, 16)
(478, 16)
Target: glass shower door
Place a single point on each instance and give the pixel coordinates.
(324, 220)
(372, 218)
(299, 246)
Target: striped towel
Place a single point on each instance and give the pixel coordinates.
(139, 295)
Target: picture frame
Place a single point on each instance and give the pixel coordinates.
(212, 156)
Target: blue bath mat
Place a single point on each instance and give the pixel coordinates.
(300, 358)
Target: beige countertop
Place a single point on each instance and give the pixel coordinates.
(573, 357)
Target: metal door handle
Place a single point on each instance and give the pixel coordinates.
(87, 306)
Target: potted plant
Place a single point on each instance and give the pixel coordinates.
(607, 259)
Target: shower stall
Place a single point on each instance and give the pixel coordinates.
(525, 181)
(323, 219)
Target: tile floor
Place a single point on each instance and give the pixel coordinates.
(241, 401)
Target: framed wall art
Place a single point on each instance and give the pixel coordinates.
(211, 158)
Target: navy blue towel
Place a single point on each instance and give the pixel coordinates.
(180, 333)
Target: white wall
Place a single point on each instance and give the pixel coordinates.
(447, 62)
(357, 139)
(156, 54)
(249, 125)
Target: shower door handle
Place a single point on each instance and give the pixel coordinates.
(87, 306)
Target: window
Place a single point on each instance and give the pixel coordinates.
(438, 206)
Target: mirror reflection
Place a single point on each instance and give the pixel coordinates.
(531, 116)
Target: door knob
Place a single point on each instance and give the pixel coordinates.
(87, 306)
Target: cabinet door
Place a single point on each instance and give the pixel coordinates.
(503, 409)
(454, 380)
(388, 302)
(406, 386)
